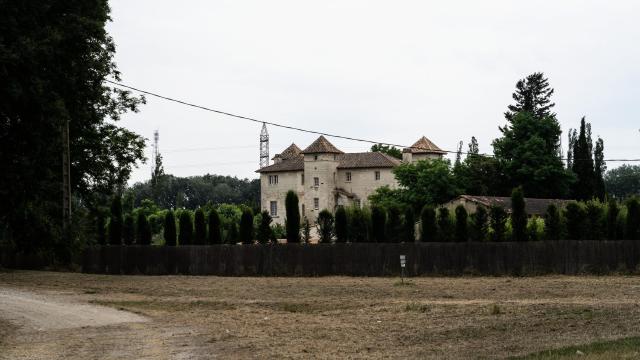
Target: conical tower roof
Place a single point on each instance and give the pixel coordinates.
(321, 145)
(290, 152)
(424, 146)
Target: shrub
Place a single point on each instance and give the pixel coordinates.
(552, 225)
(169, 229)
(264, 229)
(429, 229)
(186, 228)
(444, 225)
(594, 218)
(128, 229)
(115, 222)
(632, 227)
(143, 231)
(379, 222)
(246, 226)
(394, 224)
(462, 233)
(535, 228)
(306, 230)
(575, 217)
(409, 225)
(498, 222)
(101, 235)
(479, 224)
(200, 227)
(358, 225)
(293, 217)
(325, 226)
(341, 225)
(232, 233)
(215, 232)
(518, 215)
(612, 219)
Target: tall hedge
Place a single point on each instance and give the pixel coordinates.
(128, 229)
(409, 225)
(518, 215)
(394, 224)
(379, 224)
(462, 230)
(293, 217)
(215, 231)
(341, 225)
(325, 226)
(429, 229)
(612, 219)
(498, 222)
(115, 222)
(264, 228)
(358, 225)
(200, 227)
(574, 215)
(232, 233)
(169, 229)
(632, 227)
(185, 236)
(445, 228)
(552, 224)
(595, 220)
(143, 230)
(246, 226)
(479, 224)
(101, 235)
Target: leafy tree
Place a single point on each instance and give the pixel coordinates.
(293, 217)
(462, 233)
(386, 197)
(612, 219)
(600, 167)
(623, 182)
(498, 222)
(444, 225)
(387, 149)
(169, 229)
(595, 218)
(100, 229)
(479, 175)
(128, 229)
(246, 226)
(186, 228)
(115, 222)
(518, 215)
(574, 214)
(479, 224)
(409, 233)
(325, 226)
(341, 225)
(200, 227)
(552, 225)
(632, 228)
(143, 231)
(429, 230)
(584, 187)
(215, 231)
(533, 95)
(394, 225)
(379, 221)
(264, 229)
(306, 231)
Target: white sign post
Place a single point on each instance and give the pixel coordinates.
(403, 264)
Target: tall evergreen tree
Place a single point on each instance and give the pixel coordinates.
(498, 222)
(632, 228)
(200, 227)
(574, 215)
(186, 228)
(115, 222)
(379, 222)
(264, 229)
(293, 217)
(394, 224)
(518, 215)
(429, 227)
(232, 233)
(341, 225)
(143, 230)
(246, 226)
(100, 229)
(533, 95)
(600, 167)
(462, 233)
(612, 219)
(325, 226)
(445, 232)
(584, 187)
(409, 223)
(215, 230)
(128, 229)
(474, 149)
(552, 225)
(170, 228)
(479, 224)
(595, 220)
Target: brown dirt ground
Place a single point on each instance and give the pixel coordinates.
(329, 317)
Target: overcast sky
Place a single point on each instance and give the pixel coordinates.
(384, 70)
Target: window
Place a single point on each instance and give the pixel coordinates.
(377, 174)
(316, 203)
(274, 208)
(315, 157)
(349, 176)
(273, 179)
(316, 181)
(302, 179)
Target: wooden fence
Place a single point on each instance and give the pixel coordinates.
(369, 259)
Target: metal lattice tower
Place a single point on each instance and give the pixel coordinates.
(156, 150)
(264, 146)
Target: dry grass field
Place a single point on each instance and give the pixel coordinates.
(334, 317)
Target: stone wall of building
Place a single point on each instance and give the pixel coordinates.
(277, 192)
(363, 182)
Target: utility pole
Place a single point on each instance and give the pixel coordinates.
(66, 180)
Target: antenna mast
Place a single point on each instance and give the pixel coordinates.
(264, 146)
(156, 150)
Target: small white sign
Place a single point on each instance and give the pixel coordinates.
(403, 260)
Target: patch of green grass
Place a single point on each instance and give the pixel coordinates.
(417, 307)
(627, 348)
(404, 283)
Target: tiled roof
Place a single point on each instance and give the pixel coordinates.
(290, 164)
(367, 160)
(424, 146)
(292, 151)
(533, 206)
(321, 145)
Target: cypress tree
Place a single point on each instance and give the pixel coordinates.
(612, 219)
(341, 225)
(599, 169)
(264, 229)
(409, 225)
(444, 224)
(143, 232)
(200, 227)
(518, 215)
(583, 188)
(115, 222)
(215, 232)
(632, 228)
(293, 217)
(357, 225)
(306, 230)
(100, 229)
(594, 216)
(246, 226)
(498, 222)
(462, 233)
(186, 228)
(232, 233)
(325, 226)
(170, 229)
(552, 225)
(379, 220)
(429, 229)
(128, 229)
(575, 217)
(394, 224)
(479, 224)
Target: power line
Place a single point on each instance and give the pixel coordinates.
(307, 130)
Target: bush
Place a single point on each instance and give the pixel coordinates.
(200, 227)
(552, 225)
(518, 215)
(306, 231)
(379, 222)
(293, 217)
(632, 227)
(246, 226)
(612, 219)
(444, 225)
(479, 224)
(143, 232)
(394, 224)
(535, 228)
(264, 229)
(358, 225)
(215, 232)
(115, 222)
(409, 225)
(232, 233)
(498, 222)
(462, 233)
(341, 225)
(128, 229)
(429, 229)
(595, 220)
(169, 229)
(186, 228)
(574, 215)
(325, 226)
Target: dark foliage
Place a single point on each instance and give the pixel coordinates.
(378, 222)
(599, 167)
(100, 229)
(519, 215)
(498, 222)
(462, 229)
(185, 237)
(479, 224)
(429, 230)
(143, 230)
(612, 219)
(584, 187)
(445, 228)
(115, 222)
(574, 215)
(387, 149)
(533, 95)
(232, 233)
(623, 182)
(128, 229)
(246, 226)
(200, 227)
(358, 225)
(293, 217)
(341, 225)
(632, 227)
(394, 225)
(409, 223)
(215, 230)
(325, 226)
(170, 229)
(552, 224)
(264, 229)
(594, 220)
